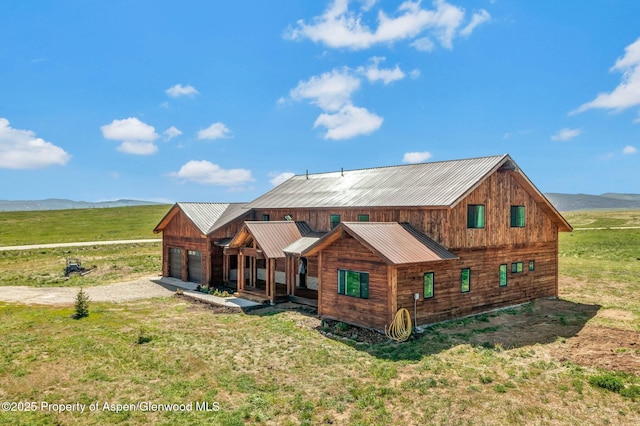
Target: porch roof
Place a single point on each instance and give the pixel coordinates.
(298, 246)
(270, 237)
(393, 242)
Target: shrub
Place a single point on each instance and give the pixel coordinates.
(143, 337)
(81, 305)
(608, 382)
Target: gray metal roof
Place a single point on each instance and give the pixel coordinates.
(426, 184)
(300, 245)
(211, 216)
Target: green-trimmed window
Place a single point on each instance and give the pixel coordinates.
(516, 267)
(363, 218)
(352, 283)
(475, 216)
(427, 280)
(503, 275)
(465, 280)
(265, 218)
(335, 220)
(532, 265)
(517, 216)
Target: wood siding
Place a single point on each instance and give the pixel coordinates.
(498, 193)
(180, 232)
(350, 255)
(485, 294)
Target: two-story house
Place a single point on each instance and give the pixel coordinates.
(461, 237)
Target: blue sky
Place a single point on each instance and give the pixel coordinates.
(219, 101)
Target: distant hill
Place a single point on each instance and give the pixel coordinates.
(609, 201)
(62, 204)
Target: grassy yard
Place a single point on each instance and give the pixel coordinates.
(63, 226)
(573, 361)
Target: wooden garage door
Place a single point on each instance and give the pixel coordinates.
(175, 263)
(195, 266)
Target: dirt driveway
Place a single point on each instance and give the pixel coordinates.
(142, 288)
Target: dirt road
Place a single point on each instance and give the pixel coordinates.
(82, 244)
(143, 288)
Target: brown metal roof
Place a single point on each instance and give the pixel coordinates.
(300, 245)
(395, 243)
(271, 237)
(426, 184)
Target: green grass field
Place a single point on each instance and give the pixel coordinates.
(63, 226)
(531, 365)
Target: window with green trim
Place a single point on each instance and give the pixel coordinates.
(352, 283)
(532, 265)
(427, 280)
(475, 216)
(516, 267)
(517, 216)
(335, 220)
(503, 275)
(363, 218)
(465, 280)
(265, 218)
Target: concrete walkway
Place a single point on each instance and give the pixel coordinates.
(189, 289)
(82, 244)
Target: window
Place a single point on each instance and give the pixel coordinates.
(265, 218)
(465, 280)
(355, 284)
(503, 275)
(475, 216)
(335, 220)
(517, 216)
(363, 218)
(516, 267)
(532, 265)
(428, 284)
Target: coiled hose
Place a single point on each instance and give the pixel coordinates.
(400, 328)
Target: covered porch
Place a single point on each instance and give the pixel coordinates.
(265, 272)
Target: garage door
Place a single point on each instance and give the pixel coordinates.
(175, 263)
(195, 266)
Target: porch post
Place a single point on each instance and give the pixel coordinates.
(271, 280)
(225, 267)
(240, 271)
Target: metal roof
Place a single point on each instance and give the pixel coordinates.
(395, 243)
(271, 237)
(232, 212)
(300, 245)
(426, 184)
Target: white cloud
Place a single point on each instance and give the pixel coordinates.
(477, 19)
(330, 91)
(207, 173)
(629, 149)
(566, 134)
(416, 157)
(165, 105)
(215, 131)
(424, 44)
(137, 147)
(627, 94)
(21, 149)
(136, 137)
(129, 129)
(414, 74)
(348, 122)
(277, 179)
(171, 133)
(340, 27)
(374, 73)
(180, 90)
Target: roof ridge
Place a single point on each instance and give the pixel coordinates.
(404, 165)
